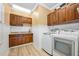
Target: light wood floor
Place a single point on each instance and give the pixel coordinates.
(28, 50)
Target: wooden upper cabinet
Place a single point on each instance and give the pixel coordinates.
(16, 20)
(65, 14)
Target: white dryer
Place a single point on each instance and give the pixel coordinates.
(47, 43)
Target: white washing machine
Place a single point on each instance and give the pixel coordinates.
(47, 43)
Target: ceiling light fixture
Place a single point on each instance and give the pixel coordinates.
(16, 7)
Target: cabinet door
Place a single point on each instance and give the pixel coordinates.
(25, 20)
(19, 38)
(29, 20)
(12, 40)
(70, 12)
(12, 19)
(18, 21)
(49, 20)
(62, 15)
(53, 20)
(28, 38)
(56, 17)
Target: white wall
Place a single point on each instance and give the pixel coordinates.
(73, 26)
(4, 39)
(1, 8)
(20, 28)
(37, 34)
(1, 13)
(4, 32)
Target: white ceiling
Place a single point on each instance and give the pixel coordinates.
(32, 6)
(26, 5)
(48, 5)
